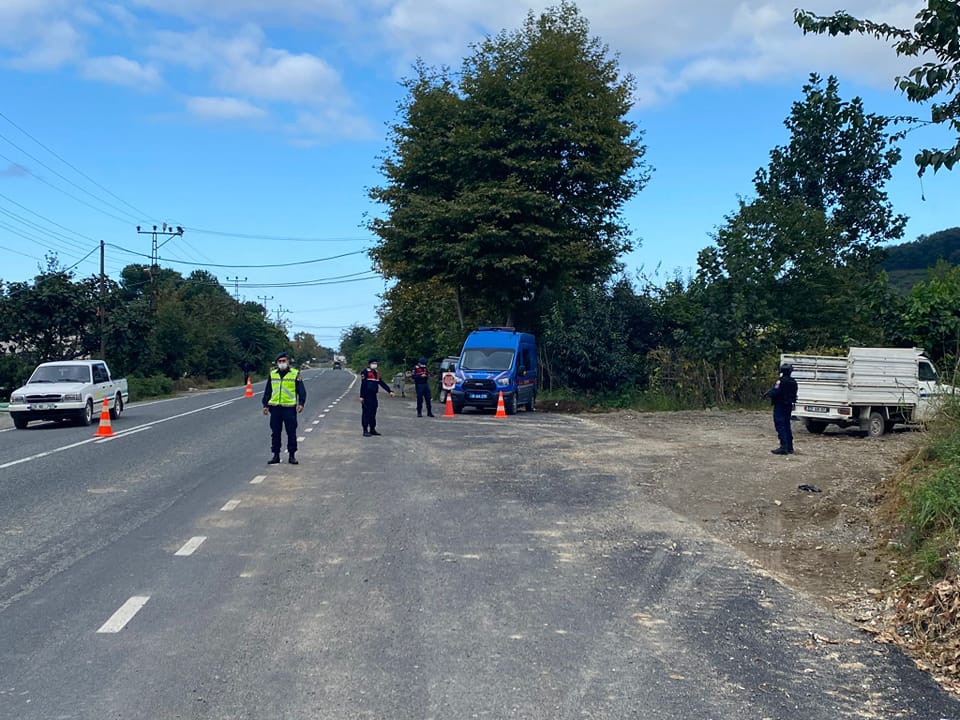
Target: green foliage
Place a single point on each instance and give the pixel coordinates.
(931, 315)
(793, 267)
(936, 38)
(142, 388)
(931, 496)
(510, 183)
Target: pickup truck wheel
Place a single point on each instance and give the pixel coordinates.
(86, 415)
(876, 425)
(19, 420)
(117, 407)
(815, 426)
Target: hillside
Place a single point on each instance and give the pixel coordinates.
(908, 264)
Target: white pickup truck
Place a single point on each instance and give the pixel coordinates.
(68, 390)
(873, 388)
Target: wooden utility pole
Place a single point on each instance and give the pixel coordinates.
(102, 311)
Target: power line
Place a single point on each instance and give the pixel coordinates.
(246, 236)
(242, 267)
(77, 170)
(46, 219)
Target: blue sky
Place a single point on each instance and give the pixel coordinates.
(257, 126)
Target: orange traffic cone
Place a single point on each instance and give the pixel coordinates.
(501, 410)
(448, 411)
(249, 392)
(105, 429)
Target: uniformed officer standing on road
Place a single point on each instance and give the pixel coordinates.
(284, 397)
(783, 395)
(421, 381)
(370, 384)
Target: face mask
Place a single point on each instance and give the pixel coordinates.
(282, 366)
(373, 366)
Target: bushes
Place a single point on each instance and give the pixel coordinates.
(142, 388)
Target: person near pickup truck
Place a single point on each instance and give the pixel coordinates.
(783, 395)
(284, 397)
(421, 381)
(370, 384)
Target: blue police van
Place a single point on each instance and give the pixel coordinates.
(495, 360)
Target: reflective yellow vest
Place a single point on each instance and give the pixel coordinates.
(284, 389)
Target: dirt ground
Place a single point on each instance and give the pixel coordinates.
(715, 467)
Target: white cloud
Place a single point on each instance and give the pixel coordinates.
(14, 170)
(121, 71)
(223, 108)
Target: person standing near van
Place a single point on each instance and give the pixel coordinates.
(421, 381)
(783, 395)
(370, 384)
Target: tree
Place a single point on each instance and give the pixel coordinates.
(511, 183)
(935, 34)
(792, 262)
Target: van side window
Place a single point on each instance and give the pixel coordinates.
(927, 372)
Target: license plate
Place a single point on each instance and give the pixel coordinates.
(477, 396)
(816, 408)
(43, 406)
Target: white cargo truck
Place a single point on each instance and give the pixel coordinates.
(872, 388)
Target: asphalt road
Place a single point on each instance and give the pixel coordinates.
(454, 568)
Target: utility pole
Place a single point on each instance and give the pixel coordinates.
(280, 309)
(102, 310)
(168, 231)
(265, 298)
(236, 286)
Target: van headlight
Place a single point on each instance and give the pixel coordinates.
(503, 382)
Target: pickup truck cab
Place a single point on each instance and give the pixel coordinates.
(68, 390)
(496, 360)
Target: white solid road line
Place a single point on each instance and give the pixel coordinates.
(230, 506)
(125, 614)
(258, 479)
(190, 546)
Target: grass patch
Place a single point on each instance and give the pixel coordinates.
(930, 498)
(639, 400)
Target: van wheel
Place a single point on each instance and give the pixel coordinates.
(511, 405)
(457, 408)
(876, 425)
(117, 407)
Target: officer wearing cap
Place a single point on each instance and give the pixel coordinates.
(783, 395)
(370, 384)
(284, 397)
(421, 381)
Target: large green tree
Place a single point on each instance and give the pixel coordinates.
(935, 37)
(510, 182)
(791, 264)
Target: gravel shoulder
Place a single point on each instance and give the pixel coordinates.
(715, 468)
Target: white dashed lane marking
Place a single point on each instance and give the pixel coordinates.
(190, 546)
(258, 479)
(118, 621)
(230, 506)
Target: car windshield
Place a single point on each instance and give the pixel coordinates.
(494, 359)
(60, 373)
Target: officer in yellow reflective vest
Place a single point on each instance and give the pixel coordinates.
(283, 397)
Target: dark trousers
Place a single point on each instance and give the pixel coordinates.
(368, 417)
(423, 394)
(781, 421)
(283, 418)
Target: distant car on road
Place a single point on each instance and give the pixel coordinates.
(336, 365)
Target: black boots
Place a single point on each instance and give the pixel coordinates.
(274, 460)
(293, 459)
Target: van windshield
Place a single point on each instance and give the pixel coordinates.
(494, 359)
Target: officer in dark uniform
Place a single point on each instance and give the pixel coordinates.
(421, 381)
(370, 384)
(783, 395)
(284, 397)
